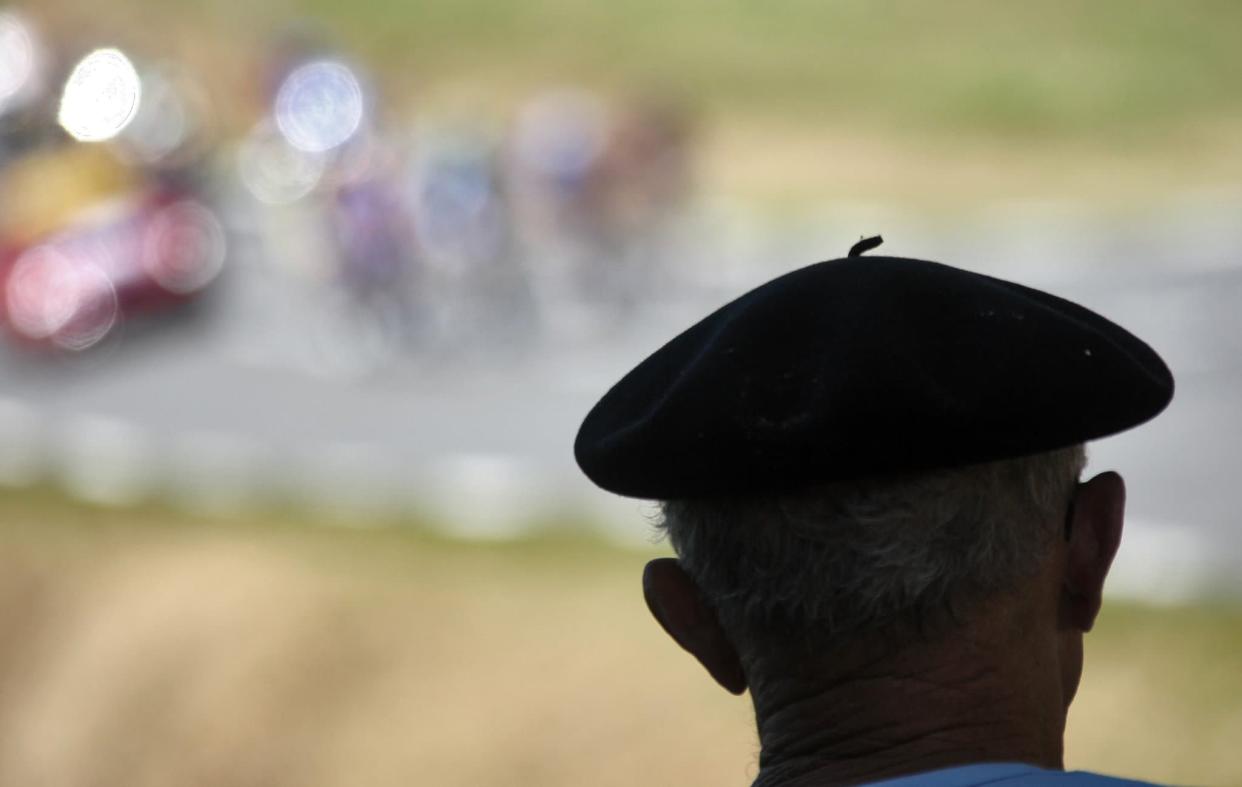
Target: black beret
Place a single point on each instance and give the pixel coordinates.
(866, 366)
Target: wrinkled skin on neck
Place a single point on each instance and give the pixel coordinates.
(988, 691)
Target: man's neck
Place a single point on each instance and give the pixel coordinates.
(929, 707)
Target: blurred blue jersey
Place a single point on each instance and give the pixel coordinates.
(1006, 774)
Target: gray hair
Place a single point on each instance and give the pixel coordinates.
(864, 556)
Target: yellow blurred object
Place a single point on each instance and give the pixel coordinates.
(42, 191)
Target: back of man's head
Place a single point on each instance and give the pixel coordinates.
(894, 559)
(868, 468)
(902, 623)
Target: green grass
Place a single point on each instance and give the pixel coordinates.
(1111, 69)
(1060, 68)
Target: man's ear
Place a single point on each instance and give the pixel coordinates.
(677, 605)
(1095, 534)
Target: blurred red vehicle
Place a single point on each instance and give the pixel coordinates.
(103, 219)
(112, 261)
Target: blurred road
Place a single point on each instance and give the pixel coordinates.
(259, 392)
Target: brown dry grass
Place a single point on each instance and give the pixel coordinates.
(211, 655)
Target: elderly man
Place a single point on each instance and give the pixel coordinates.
(869, 470)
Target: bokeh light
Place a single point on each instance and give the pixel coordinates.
(101, 96)
(319, 106)
(19, 61)
(41, 293)
(184, 247)
(97, 311)
(162, 122)
(275, 172)
(53, 297)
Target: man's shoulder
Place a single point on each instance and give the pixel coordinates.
(1007, 774)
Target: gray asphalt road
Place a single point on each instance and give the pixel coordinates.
(260, 393)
